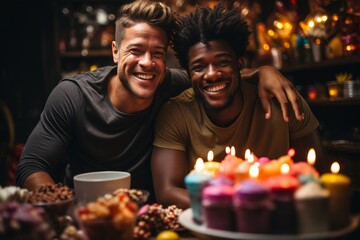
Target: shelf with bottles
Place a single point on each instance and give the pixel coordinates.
(318, 37)
(101, 53)
(342, 89)
(342, 145)
(84, 33)
(324, 64)
(85, 28)
(336, 101)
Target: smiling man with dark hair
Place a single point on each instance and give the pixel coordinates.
(221, 109)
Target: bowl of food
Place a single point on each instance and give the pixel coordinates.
(89, 186)
(56, 200)
(109, 217)
(139, 196)
(23, 221)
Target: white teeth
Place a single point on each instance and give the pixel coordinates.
(216, 87)
(144, 76)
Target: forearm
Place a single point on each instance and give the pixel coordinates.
(253, 74)
(174, 196)
(250, 74)
(36, 179)
(169, 185)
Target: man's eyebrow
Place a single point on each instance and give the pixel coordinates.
(141, 45)
(197, 60)
(133, 45)
(218, 55)
(223, 54)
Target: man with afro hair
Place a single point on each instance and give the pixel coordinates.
(220, 109)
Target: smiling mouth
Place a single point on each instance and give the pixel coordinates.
(144, 76)
(215, 87)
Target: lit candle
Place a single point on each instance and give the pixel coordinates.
(305, 171)
(254, 171)
(199, 165)
(227, 150)
(210, 156)
(285, 168)
(311, 157)
(339, 187)
(247, 154)
(232, 151)
(250, 156)
(195, 181)
(288, 157)
(229, 164)
(273, 167)
(242, 171)
(211, 166)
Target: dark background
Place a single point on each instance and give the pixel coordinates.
(29, 67)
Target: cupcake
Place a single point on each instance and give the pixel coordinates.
(312, 204)
(195, 182)
(252, 205)
(217, 203)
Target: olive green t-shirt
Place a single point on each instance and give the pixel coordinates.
(183, 125)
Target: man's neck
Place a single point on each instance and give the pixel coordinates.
(226, 116)
(123, 100)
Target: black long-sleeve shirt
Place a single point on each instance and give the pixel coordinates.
(79, 127)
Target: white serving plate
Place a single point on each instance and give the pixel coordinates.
(203, 232)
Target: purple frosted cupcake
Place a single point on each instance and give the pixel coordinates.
(221, 180)
(252, 205)
(217, 203)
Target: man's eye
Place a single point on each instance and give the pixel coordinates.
(135, 51)
(158, 54)
(224, 63)
(197, 68)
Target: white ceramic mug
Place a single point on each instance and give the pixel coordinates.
(89, 186)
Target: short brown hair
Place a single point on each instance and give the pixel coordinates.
(150, 12)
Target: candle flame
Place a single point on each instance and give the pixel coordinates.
(311, 157)
(285, 168)
(251, 158)
(232, 150)
(210, 156)
(227, 150)
(199, 165)
(247, 153)
(335, 167)
(254, 171)
(291, 152)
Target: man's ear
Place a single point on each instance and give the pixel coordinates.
(241, 63)
(115, 52)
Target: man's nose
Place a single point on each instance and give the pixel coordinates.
(146, 60)
(211, 73)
